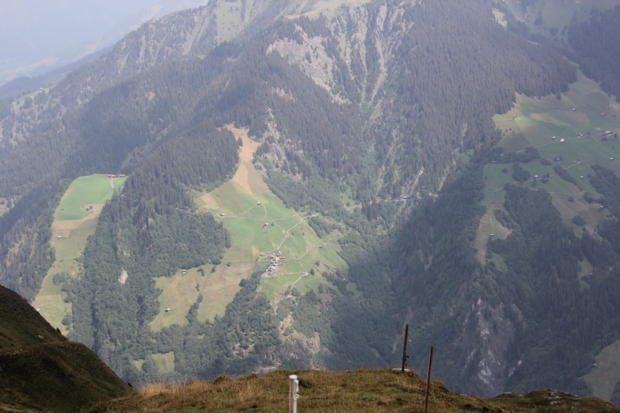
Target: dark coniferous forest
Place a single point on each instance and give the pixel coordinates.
(376, 122)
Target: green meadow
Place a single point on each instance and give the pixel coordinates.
(558, 13)
(86, 191)
(568, 133)
(19, 102)
(73, 224)
(606, 374)
(578, 122)
(218, 285)
(164, 362)
(139, 363)
(489, 227)
(260, 225)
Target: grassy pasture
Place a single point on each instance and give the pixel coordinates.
(179, 292)
(164, 362)
(500, 18)
(326, 6)
(559, 13)
(535, 121)
(272, 285)
(3, 206)
(604, 377)
(50, 299)
(592, 214)
(228, 24)
(328, 391)
(260, 224)
(71, 228)
(488, 225)
(218, 288)
(85, 191)
(19, 102)
(584, 110)
(139, 363)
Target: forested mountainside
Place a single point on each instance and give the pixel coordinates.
(373, 123)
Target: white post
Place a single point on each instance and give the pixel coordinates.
(293, 393)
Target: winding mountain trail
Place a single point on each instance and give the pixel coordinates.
(244, 204)
(288, 233)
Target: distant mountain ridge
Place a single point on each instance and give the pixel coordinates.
(85, 30)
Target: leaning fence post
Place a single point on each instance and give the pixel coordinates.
(404, 365)
(293, 393)
(428, 380)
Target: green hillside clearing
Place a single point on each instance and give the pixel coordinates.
(3, 206)
(181, 291)
(86, 191)
(578, 122)
(164, 362)
(325, 6)
(489, 227)
(557, 14)
(606, 374)
(500, 17)
(19, 102)
(260, 225)
(534, 122)
(74, 222)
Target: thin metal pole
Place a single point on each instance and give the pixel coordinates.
(428, 380)
(404, 365)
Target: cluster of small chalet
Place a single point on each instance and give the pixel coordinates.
(116, 176)
(275, 258)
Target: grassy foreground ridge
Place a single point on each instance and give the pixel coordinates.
(41, 371)
(329, 391)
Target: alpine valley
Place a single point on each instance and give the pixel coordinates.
(263, 184)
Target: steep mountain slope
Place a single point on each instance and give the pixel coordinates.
(41, 371)
(372, 119)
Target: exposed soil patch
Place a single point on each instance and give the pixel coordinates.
(123, 277)
(242, 176)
